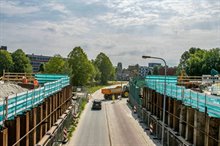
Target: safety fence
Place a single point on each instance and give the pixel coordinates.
(17, 104)
(201, 101)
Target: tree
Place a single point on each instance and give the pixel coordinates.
(55, 65)
(42, 68)
(82, 69)
(197, 62)
(66, 68)
(183, 60)
(211, 61)
(21, 62)
(194, 63)
(156, 69)
(105, 67)
(6, 62)
(97, 72)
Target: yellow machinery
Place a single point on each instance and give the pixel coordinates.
(116, 91)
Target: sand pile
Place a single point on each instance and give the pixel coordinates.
(7, 89)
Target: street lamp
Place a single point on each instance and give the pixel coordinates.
(164, 99)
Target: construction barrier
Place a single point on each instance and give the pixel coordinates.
(200, 101)
(19, 103)
(65, 134)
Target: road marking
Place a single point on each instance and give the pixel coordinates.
(109, 134)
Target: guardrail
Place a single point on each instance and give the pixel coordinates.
(19, 103)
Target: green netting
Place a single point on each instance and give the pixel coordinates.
(19, 103)
(191, 98)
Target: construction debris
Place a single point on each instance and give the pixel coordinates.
(7, 89)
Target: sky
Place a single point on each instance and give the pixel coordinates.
(122, 29)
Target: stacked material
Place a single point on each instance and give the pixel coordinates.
(7, 89)
(215, 89)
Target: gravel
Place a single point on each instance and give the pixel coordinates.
(7, 89)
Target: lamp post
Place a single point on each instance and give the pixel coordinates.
(164, 99)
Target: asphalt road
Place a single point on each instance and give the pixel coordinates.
(114, 125)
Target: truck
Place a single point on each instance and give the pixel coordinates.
(116, 91)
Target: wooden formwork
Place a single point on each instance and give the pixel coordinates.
(17, 77)
(4, 137)
(29, 128)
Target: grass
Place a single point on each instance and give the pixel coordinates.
(74, 123)
(83, 104)
(71, 129)
(117, 82)
(92, 89)
(95, 88)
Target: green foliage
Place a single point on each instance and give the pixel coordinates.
(6, 62)
(28, 68)
(211, 61)
(97, 77)
(21, 62)
(83, 71)
(55, 65)
(183, 60)
(105, 67)
(82, 105)
(66, 68)
(197, 62)
(94, 88)
(42, 68)
(156, 69)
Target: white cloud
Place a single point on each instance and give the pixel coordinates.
(12, 8)
(127, 30)
(57, 7)
(125, 21)
(68, 27)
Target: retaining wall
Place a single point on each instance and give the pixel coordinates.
(29, 127)
(184, 125)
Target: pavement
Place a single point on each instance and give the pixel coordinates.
(114, 125)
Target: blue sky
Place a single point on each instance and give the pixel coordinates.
(123, 29)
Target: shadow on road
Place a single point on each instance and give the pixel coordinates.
(143, 125)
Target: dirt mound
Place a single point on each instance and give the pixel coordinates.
(7, 89)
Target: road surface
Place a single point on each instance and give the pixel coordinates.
(114, 125)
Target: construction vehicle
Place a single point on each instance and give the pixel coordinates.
(116, 91)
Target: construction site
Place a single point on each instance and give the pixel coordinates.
(34, 109)
(192, 108)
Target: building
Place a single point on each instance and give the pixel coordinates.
(3, 48)
(126, 74)
(133, 70)
(37, 60)
(119, 71)
(143, 71)
(154, 64)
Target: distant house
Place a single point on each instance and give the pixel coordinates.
(144, 71)
(3, 48)
(37, 60)
(151, 65)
